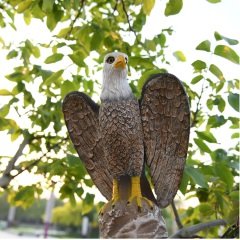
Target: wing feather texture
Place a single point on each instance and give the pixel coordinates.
(166, 125)
(81, 117)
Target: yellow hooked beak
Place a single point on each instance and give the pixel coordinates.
(120, 62)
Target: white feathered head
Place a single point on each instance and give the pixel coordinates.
(115, 70)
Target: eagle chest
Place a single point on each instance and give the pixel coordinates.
(121, 133)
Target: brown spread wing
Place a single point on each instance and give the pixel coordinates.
(81, 117)
(166, 125)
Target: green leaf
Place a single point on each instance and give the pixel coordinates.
(150, 45)
(20, 87)
(5, 92)
(139, 22)
(216, 71)
(4, 110)
(54, 77)
(88, 182)
(36, 52)
(96, 40)
(227, 53)
(63, 32)
(234, 196)
(173, 7)
(206, 209)
(65, 191)
(235, 122)
(8, 124)
(77, 59)
(219, 155)
(54, 58)
(220, 86)
(162, 39)
(12, 54)
(234, 135)
(199, 65)
(148, 6)
(230, 41)
(51, 22)
(139, 62)
(208, 136)
(27, 17)
(23, 5)
(197, 79)
(204, 46)
(179, 56)
(221, 105)
(79, 191)
(210, 104)
(202, 193)
(67, 4)
(57, 168)
(207, 170)
(4, 124)
(216, 121)
(214, 1)
(202, 146)
(184, 183)
(225, 175)
(233, 99)
(15, 76)
(73, 160)
(72, 200)
(47, 6)
(67, 87)
(196, 176)
(33, 49)
(15, 135)
(25, 196)
(88, 203)
(53, 18)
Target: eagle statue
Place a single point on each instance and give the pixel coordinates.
(123, 136)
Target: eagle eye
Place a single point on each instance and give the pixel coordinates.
(110, 60)
(126, 60)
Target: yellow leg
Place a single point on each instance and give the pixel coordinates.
(136, 193)
(115, 196)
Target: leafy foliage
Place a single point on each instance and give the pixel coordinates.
(44, 72)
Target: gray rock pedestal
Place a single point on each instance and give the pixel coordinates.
(126, 221)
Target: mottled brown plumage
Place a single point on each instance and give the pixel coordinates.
(114, 140)
(81, 117)
(121, 131)
(166, 124)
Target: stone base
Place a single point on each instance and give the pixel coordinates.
(126, 221)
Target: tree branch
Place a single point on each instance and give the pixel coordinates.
(75, 19)
(115, 7)
(129, 24)
(190, 231)
(232, 231)
(177, 218)
(194, 121)
(6, 177)
(127, 16)
(38, 160)
(132, 29)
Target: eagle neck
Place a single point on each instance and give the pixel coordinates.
(116, 87)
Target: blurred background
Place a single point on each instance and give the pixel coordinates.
(51, 47)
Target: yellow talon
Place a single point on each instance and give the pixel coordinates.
(136, 193)
(115, 197)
